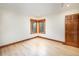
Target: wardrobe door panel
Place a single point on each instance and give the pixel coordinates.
(72, 30)
(70, 37)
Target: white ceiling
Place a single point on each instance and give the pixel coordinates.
(35, 9)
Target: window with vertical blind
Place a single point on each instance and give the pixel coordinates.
(37, 26)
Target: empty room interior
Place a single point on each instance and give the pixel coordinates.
(39, 29)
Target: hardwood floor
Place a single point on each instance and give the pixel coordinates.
(39, 47)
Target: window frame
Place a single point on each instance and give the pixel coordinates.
(37, 26)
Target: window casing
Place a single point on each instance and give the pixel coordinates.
(38, 26)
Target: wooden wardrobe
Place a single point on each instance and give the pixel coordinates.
(72, 30)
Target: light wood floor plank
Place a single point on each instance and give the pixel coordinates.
(39, 47)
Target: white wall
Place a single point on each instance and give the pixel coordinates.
(14, 26)
(55, 24)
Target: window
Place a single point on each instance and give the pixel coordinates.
(37, 26)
